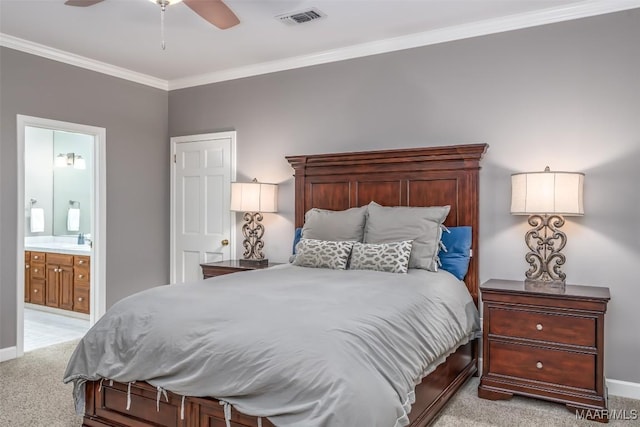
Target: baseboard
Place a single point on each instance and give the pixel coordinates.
(623, 389)
(8, 353)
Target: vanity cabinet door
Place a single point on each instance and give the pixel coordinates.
(65, 284)
(52, 291)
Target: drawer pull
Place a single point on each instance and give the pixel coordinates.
(539, 365)
(35, 270)
(539, 326)
(35, 291)
(36, 257)
(27, 266)
(80, 276)
(81, 261)
(80, 299)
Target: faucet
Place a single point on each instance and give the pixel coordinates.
(88, 242)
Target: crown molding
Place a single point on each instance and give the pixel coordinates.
(81, 61)
(491, 26)
(459, 32)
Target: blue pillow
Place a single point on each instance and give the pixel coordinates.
(296, 238)
(458, 243)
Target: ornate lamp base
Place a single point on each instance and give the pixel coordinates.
(253, 230)
(551, 287)
(545, 242)
(254, 262)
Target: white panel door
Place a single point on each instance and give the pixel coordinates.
(201, 190)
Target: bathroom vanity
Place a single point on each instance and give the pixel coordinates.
(59, 279)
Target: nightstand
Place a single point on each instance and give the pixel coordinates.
(213, 269)
(545, 345)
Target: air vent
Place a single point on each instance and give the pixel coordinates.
(301, 17)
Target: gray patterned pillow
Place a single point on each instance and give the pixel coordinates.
(390, 257)
(322, 254)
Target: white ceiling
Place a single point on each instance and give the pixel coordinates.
(126, 33)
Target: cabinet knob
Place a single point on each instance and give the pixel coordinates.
(81, 261)
(539, 326)
(539, 365)
(35, 291)
(35, 270)
(36, 257)
(225, 242)
(80, 276)
(27, 266)
(80, 299)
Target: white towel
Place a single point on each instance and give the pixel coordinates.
(73, 219)
(37, 220)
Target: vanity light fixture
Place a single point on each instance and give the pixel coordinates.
(546, 197)
(70, 160)
(253, 198)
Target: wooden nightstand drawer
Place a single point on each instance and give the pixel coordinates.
(535, 325)
(541, 364)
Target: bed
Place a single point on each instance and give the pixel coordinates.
(433, 176)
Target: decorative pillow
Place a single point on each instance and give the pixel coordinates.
(399, 223)
(323, 224)
(322, 254)
(390, 257)
(456, 254)
(297, 235)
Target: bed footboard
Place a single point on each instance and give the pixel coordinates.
(106, 404)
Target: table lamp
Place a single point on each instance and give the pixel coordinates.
(546, 197)
(253, 198)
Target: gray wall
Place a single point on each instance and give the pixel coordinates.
(565, 95)
(137, 168)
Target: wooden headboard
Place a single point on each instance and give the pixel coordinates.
(431, 176)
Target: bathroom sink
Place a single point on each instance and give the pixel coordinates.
(59, 246)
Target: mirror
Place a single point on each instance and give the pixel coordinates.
(58, 171)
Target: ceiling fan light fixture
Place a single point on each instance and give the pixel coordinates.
(165, 3)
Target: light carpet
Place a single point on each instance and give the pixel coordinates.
(32, 394)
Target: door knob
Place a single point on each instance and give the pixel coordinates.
(225, 242)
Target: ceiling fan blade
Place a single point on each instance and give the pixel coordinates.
(215, 12)
(81, 3)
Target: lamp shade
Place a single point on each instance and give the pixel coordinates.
(254, 197)
(547, 193)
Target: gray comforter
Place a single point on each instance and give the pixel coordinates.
(303, 347)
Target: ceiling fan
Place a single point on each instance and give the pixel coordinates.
(212, 11)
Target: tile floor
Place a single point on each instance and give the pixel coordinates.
(42, 329)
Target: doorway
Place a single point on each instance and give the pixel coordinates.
(201, 221)
(61, 230)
